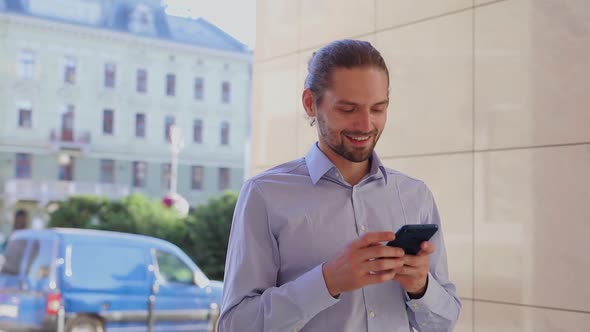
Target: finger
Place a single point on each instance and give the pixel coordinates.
(379, 277)
(380, 265)
(416, 261)
(379, 251)
(426, 248)
(396, 270)
(409, 271)
(372, 238)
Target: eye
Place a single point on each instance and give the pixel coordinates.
(346, 109)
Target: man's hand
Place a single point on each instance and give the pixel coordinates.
(413, 276)
(363, 262)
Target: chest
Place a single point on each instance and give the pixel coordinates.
(315, 226)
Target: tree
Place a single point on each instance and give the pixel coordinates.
(132, 214)
(208, 228)
(77, 212)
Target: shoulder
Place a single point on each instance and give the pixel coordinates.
(284, 172)
(294, 171)
(407, 185)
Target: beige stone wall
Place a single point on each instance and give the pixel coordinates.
(490, 107)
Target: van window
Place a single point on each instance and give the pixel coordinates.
(173, 269)
(14, 257)
(99, 265)
(39, 262)
(33, 254)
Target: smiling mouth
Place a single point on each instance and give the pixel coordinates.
(359, 140)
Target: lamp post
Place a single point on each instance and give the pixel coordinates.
(176, 144)
(173, 199)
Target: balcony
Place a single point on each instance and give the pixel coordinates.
(69, 140)
(44, 192)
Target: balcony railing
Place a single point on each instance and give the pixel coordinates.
(70, 140)
(51, 191)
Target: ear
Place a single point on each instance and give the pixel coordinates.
(307, 99)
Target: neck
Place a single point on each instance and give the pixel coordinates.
(352, 172)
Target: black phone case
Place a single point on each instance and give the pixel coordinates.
(409, 237)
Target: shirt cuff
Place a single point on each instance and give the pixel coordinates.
(312, 292)
(434, 292)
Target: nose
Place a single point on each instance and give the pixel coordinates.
(363, 121)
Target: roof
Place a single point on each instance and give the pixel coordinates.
(145, 18)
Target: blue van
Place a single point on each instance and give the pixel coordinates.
(72, 280)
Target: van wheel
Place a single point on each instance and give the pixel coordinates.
(84, 324)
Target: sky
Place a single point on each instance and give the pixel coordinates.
(236, 17)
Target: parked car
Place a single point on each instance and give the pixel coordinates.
(76, 280)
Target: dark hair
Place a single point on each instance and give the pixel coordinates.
(344, 53)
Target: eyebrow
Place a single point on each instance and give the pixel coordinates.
(347, 102)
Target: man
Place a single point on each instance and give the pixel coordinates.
(306, 250)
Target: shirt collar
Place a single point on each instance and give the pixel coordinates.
(318, 164)
(377, 166)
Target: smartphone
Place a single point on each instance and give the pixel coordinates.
(409, 237)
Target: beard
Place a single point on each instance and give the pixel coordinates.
(336, 141)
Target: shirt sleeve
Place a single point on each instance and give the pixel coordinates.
(252, 301)
(438, 310)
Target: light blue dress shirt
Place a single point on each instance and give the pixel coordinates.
(292, 218)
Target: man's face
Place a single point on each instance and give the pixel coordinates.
(352, 112)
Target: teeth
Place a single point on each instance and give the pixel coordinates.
(359, 138)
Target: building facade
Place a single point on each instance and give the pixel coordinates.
(89, 92)
(489, 106)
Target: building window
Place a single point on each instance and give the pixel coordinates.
(168, 122)
(142, 77)
(197, 176)
(166, 176)
(66, 168)
(139, 125)
(141, 20)
(225, 133)
(199, 87)
(198, 131)
(109, 75)
(224, 178)
(225, 92)
(139, 174)
(67, 123)
(108, 122)
(107, 171)
(70, 64)
(170, 84)
(23, 166)
(25, 115)
(26, 65)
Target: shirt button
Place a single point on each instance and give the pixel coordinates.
(415, 306)
(363, 228)
(372, 314)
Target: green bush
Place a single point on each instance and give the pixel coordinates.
(208, 228)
